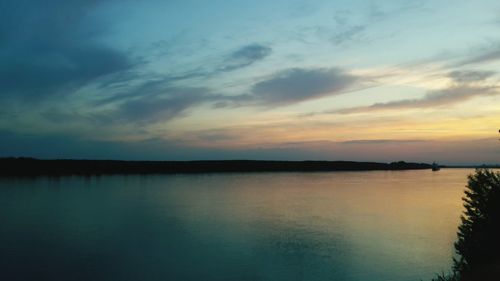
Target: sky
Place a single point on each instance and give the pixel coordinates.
(231, 79)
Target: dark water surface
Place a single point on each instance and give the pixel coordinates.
(346, 226)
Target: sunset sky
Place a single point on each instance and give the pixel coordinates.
(293, 80)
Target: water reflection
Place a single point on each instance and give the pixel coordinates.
(281, 226)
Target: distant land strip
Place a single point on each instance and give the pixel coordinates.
(36, 167)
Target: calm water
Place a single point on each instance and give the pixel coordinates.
(342, 226)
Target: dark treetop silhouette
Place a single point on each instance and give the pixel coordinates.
(479, 234)
(478, 245)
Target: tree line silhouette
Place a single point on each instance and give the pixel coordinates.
(20, 167)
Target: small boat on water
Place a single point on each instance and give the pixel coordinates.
(435, 166)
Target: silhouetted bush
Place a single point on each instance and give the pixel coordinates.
(478, 242)
(444, 277)
(478, 245)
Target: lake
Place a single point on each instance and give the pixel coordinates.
(344, 226)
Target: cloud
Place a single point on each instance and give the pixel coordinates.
(155, 103)
(52, 47)
(65, 146)
(152, 100)
(38, 74)
(474, 151)
(348, 34)
(148, 103)
(215, 135)
(159, 100)
(351, 26)
(145, 82)
(382, 141)
(448, 96)
(486, 55)
(297, 85)
(147, 86)
(246, 56)
(154, 109)
(140, 98)
(375, 12)
(345, 31)
(469, 76)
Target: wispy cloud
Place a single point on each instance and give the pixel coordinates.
(160, 104)
(470, 76)
(135, 84)
(449, 96)
(484, 55)
(382, 141)
(296, 85)
(347, 29)
(51, 49)
(160, 100)
(144, 104)
(347, 34)
(245, 56)
(290, 86)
